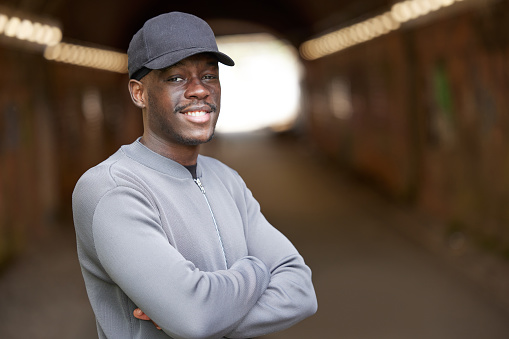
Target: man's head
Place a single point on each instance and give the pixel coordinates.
(173, 66)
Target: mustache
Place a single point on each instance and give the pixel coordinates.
(180, 108)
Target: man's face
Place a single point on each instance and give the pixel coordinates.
(184, 101)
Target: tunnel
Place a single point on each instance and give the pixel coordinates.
(372, 132)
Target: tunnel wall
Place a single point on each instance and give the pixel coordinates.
(423, 113)
(420, 112)
(56, 120)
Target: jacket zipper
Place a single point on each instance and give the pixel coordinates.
(198, 182)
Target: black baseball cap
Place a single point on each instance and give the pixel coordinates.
(169, 38)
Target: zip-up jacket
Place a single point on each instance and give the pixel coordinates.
(196, 255)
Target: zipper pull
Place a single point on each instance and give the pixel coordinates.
(198, 182)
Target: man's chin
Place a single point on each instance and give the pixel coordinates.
(195, 141)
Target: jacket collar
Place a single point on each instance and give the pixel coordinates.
(145, 156)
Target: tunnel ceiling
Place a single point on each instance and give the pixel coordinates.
(113, 22)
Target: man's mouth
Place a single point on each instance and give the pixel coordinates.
(196, 109)
(196, 113)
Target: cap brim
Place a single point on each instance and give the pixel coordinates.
(169, 59)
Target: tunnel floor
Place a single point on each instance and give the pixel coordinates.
(373, 277)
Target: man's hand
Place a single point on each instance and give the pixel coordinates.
(139, 314)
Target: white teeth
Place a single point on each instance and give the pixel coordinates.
(196, 114)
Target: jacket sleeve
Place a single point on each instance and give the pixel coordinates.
(290, 296)
(184, 301)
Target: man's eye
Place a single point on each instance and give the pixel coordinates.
(175, 79)
(210, 76)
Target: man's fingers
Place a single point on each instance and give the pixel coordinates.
(139, 314)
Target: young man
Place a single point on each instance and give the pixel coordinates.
(168, 235)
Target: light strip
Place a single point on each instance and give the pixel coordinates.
(348, 36)
(26, 30)
(16, 27)
(341, 39)
(87, 56)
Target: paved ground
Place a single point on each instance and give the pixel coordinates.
(376, 273)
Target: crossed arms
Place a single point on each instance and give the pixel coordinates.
(268, 290)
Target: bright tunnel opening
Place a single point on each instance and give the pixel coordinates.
(263, 89)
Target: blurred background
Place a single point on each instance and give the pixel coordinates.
(374, 133)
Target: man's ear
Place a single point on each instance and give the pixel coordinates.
(137, 91)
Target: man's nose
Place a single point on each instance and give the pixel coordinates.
(197, 89)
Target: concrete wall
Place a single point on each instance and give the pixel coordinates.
(423, 113)
(56, 121)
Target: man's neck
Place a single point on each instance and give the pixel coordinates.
(185, 155)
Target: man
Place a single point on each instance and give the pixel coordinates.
(168, 235)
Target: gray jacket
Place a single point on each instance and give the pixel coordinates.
(198, 257)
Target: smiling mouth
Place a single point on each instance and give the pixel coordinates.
(197, 116)
(196, 109)
(195, 113)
